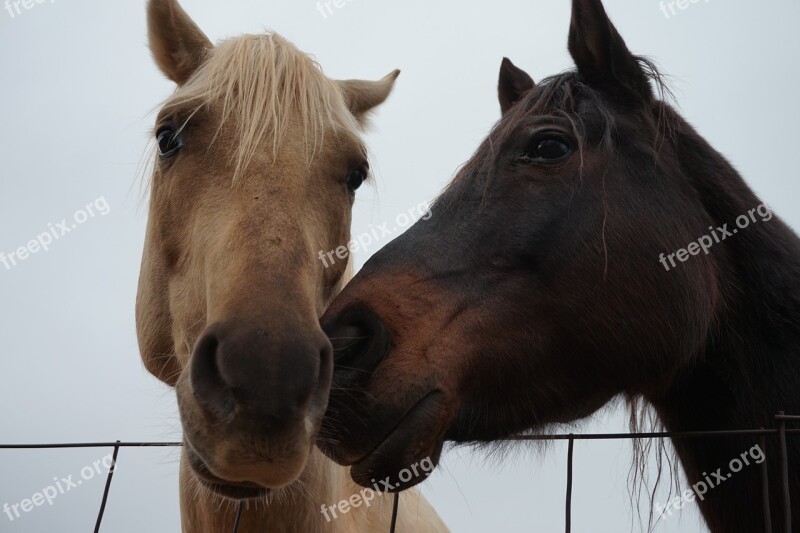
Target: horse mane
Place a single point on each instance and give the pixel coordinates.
(562, 95)
(264, 84)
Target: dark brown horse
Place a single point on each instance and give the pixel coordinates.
(594, 246)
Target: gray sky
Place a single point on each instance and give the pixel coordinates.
(77, 103)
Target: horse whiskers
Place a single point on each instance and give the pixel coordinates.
(347, 347)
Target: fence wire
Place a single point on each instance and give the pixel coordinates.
(781, 432)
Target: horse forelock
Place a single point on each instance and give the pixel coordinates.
(263, 85)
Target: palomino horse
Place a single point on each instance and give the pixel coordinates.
(554, 275)
(259, 159)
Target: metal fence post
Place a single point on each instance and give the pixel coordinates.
(395, 507)
(107, 488)
(787, 500)
(570, 453)
(765, 485)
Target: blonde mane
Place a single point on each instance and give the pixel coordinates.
(264, 84)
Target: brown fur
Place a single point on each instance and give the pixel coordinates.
(534, 294)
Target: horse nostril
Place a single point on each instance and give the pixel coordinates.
(242, 377)
(209, 389)
(349, 343)
(360, 342)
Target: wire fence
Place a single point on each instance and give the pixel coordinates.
(781, 432)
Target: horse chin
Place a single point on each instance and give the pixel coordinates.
(236, 492)
(254, 480)
(409, 453)
(220, 487)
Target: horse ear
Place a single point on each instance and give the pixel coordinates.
(362, 96)
(178, 46)
(514, 82)
(601, 55)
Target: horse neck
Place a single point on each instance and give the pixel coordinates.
(750, 369)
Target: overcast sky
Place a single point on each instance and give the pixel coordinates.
(77, 101)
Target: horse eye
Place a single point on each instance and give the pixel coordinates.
(169, 143)
(355, 179)
(550, 150)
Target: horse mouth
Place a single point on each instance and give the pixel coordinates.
(226, 489)
(239, 491)
(416, 438)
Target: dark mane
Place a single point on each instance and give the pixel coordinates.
(589, 111)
